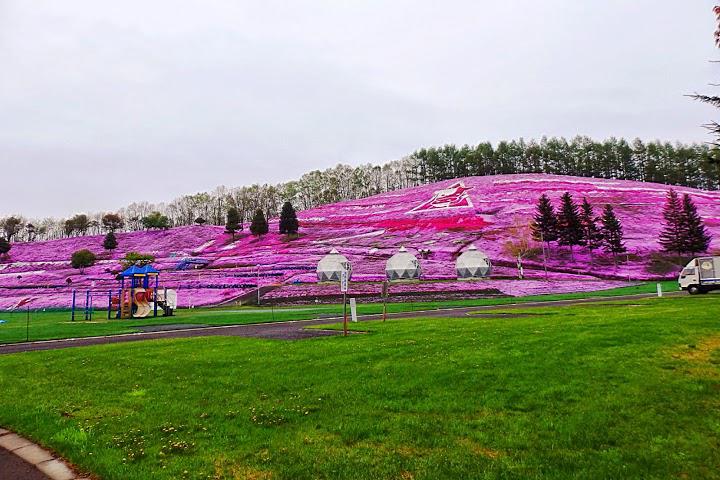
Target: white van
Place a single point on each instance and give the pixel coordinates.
(701, 275)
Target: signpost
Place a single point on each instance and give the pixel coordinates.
(353, 310)
(344, 275)
(344, 281)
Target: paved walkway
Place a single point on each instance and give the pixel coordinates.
(291, 330)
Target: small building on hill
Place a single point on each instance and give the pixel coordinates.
(472, 264)
(403, 266)
(330, 267)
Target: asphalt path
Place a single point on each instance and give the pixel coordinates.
(291, 330)
(13, 467)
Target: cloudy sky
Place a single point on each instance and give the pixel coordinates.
(105, 103)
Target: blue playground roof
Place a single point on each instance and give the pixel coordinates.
(150, 270)
(139, 271)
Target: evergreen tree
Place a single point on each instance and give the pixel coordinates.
(714, 100)
(569, 229)
(545, 226)
(232, 224)
(612, 233)
(5, 247)
(591, 236)
(671, 237)
(259, 225)
(695, 238)
(110, 242)
(288, 220)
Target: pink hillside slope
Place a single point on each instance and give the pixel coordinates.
(442, 219)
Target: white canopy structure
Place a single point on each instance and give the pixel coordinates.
(473, 263)
(402, 266)
(331, 265)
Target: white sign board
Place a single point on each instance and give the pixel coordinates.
(344, 281)
(353, 310)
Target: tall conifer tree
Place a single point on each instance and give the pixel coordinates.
(569, 228)
(544, 226)
(671, 237)
(714, 100)
(232, 224)
(259, 225)
(612, 233)
(695, 238)
(288, 220)
(110, 242)
(591, 236)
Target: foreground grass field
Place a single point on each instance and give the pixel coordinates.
(617, 390)
(57, 324)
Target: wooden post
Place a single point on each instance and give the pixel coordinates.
(27, 325)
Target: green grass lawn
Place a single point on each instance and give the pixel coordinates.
(618, 390)
(57, 324)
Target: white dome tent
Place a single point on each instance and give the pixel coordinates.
(331, 265)
(472, 264)
(402, 266)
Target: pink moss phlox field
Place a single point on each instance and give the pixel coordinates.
(440, 219)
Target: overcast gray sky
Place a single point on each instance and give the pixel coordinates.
(105, 103)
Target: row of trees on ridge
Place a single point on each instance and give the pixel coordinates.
(676, 164)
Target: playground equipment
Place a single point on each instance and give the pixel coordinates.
(140, 295)
(89, 308)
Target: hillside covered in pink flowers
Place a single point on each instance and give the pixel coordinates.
(440, 220)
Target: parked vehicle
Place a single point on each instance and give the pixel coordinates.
(701, 275)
